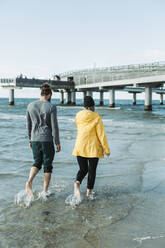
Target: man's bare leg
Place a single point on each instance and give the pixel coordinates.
(47, 177)
(33, 173)
(77, 189)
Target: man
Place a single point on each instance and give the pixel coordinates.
(42, 128)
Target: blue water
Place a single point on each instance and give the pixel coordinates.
(128, 208)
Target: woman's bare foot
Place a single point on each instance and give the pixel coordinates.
(89, 192)
(77, 189)
(29, 189)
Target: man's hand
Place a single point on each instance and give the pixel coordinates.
(107, 154)
(30, 145)
(58, 148)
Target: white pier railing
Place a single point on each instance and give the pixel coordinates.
(104, 74)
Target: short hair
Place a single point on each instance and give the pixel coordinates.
(46, 89)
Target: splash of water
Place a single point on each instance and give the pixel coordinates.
(73, 200)
(58, 187)
(92, 196)
(44, 195)
(23, 200)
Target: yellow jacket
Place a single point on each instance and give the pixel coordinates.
(91, 141)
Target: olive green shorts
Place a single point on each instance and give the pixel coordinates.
(43, 154)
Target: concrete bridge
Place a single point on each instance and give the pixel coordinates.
(134, 79)
(24, 82)
(149, 77)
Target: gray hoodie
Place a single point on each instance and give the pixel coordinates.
(42, 122)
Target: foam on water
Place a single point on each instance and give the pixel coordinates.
(23, 200)
(63, 118)
(11, 116)
(44, 195)
(140, 240)
(58, 187)
(115, 108)
(72, 200)
(92, 196)
(122, 123)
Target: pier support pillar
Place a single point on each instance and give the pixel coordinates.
(148, 99)
(84, 94)
(161, 99)
(11, 97)
(101, 98)
(61, 97)
(73, 97)
(68, 97)
(112, 98)
(134, 99)
(89, 93)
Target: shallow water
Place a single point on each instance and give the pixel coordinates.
(127, 209)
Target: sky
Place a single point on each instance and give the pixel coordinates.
(39, 38)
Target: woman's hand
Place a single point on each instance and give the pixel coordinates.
(107, 154)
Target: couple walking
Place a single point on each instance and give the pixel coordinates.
(91, 142)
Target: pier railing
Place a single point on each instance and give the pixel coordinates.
(105, 74)
(35, 83)
(7, 81)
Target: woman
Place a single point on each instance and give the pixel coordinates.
(91, 144)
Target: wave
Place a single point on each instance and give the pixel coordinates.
(11, 116)
(133, 124)
(112, 122)
(6, 175)
(141, 239)
(125, 124)
(106, 107)
(63, 118)
(115, 108)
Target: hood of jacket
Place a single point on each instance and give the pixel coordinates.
(87, 117)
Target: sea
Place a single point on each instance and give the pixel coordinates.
(127, 207)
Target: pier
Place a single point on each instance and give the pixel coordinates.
(61, 86)
(134, 79)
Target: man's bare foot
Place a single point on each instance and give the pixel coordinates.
(77, 189)
(29, 189)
